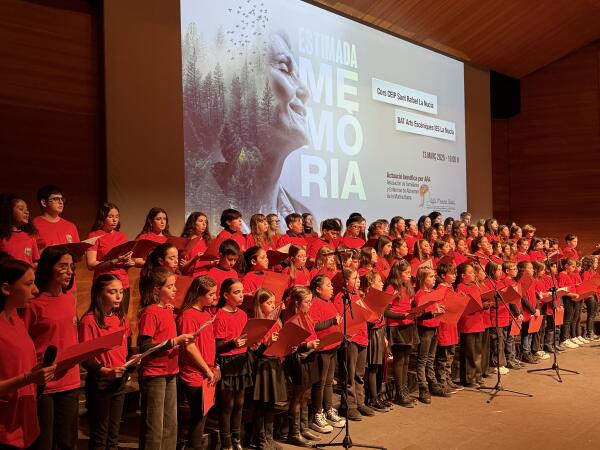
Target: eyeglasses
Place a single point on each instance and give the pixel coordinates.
(57, 199)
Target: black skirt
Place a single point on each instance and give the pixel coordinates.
(403, 335)
(236, 372)
(270, 385)
(376, 351)
(302, 371)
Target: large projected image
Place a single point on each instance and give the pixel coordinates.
(290, 108)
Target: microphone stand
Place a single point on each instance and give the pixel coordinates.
(555, 367)
(498, 387)
(347, 306)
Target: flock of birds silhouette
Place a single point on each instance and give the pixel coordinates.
(253, 23)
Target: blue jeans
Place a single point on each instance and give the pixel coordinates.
(526, 338)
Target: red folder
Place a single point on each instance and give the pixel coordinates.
(511, 294)
(212, 252)
(535, 323)
(180, 243)
(276, 258)
(87, 350)
(449, 258)
(587, 289)
(277, 283)
(290, 336)
(416, 264)
(143, 247)
(182, 284)
(474, 305)
(454, 306)
(525, 283)
(515, 329)
(377, 301)
(208, 396)
(76, 249)
(559, 316)
(357, 319)
(329, 339)
(120, 250)
(370, 243)
(248, 304)
(256, 329)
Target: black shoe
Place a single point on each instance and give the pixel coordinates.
(424, 395)
(438, 390)
(404, 399)
(378, 406)
(389, 405)
(529, 358)
(365, 410)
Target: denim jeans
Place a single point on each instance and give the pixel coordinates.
(58, 414)
(105, 407)
(526, 338)
(426, 356)
(159, 413)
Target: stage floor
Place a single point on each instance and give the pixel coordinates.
(558, 416)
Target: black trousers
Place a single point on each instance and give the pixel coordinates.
(58, 415)
(592, 308)
(197, 416)
(471, 345)
(105, 399)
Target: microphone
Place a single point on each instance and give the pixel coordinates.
(337, 252)
(471, 255)
(49, 357)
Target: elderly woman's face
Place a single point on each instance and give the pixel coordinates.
(291, 94)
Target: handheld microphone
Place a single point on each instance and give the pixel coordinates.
(49, 357)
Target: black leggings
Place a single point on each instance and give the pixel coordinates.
(231, 405)
(592, 307)
(401, 355)
(197, 420)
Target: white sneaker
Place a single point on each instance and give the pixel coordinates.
(584, 340)
(544, 355)
(332, 417)
(504, 370)
(319, 423)
(577, 340)
(569, 343)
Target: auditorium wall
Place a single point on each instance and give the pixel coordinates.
(546, 159)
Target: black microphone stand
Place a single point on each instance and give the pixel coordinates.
(498, 387)
(555, 365)
(347, 441)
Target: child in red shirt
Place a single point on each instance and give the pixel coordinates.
(107, 229)
(106, 374)
(259, 233)
(197, 358)
(294, 234)
(299, 274)
(231, 221)
(402, 332)
(447, 334)
(236, 371)
(229, 253)
(352, 238)
(325, 263)
(256, 264)
(17, 235)
(156, 227)
(195, 229)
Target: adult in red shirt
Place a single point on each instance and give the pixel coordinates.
(19, 371)
(53, 229)
(106, 375)
(52, 320)
(107, 229)
(17, 235)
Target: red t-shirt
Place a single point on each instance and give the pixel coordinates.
(537, 255)
(220, 275)
(102, 247)
(228, 326)
(410, 243)
(291, 238)
(54, 233)
(21, 246)
(53, 321)
(89, 329)
(430, 323)
(472, 323)
(252, 281)
(18, 413)
(323, 271)
(321, 310)
(503, 312)
(522, 257)
(316, 244)
(158, 322)
(569, 252)
(353, 242)
(199, 246)
(237, 237)
(400, 304)
(302, 277)
(251, 242)
(189, 321)
(447, 333)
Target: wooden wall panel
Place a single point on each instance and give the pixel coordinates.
(51, 103)
(553, 149)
